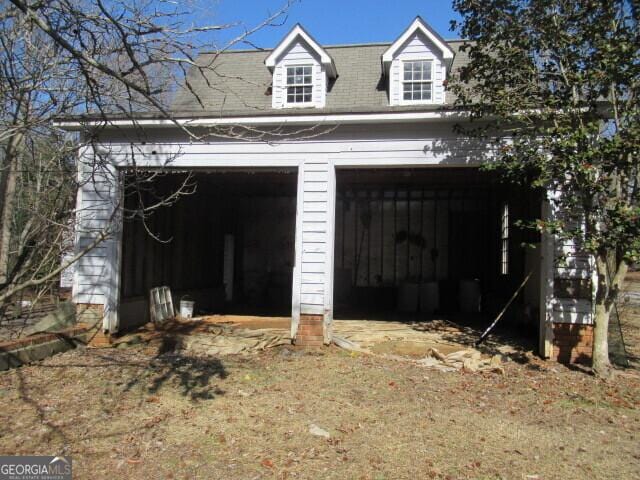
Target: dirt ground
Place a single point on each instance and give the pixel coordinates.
(131, 413)
(144, 411)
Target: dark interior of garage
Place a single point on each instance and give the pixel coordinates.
(434, 243)
(228, 246)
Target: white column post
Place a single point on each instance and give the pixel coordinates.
(295, 292)
(111, 321)
(546, 286)
(330, 253)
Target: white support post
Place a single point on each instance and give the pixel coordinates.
(330, 254)
(546, 287)
(111, 322)
(295, 292)
(82, 153)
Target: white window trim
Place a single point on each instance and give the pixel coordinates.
(504, 239)
(286, 102)
(403, 81)
(419, 25)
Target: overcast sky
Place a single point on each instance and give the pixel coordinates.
(335, 21)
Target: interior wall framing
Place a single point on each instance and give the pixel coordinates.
(420, 225)
(187, 255)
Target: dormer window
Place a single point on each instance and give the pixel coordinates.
(301, 71)
(417, 84)
(416, 66)
(300, 84)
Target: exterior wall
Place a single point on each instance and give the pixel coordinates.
(96, 275)
(315, 232)
(572, 343)
(298, 54)
(310, 331)
(428, 144)
(89, 314)
(313, 272)
(407, 144)
(92, 316)
(568, 286)
(418, 47)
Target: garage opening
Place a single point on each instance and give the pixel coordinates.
(434, 243)
(228, 246)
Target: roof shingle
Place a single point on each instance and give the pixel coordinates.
(239, 84)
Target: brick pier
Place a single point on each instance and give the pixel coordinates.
(572, 343)
(310, 331)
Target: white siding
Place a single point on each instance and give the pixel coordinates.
(418, 47)
(397, 145)
(298, 54)
(427, 144)
(313, 258)
(96, 275)
(570, 263)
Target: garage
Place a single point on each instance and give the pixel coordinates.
(227, 243)
(423, 243)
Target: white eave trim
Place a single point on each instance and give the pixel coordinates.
(421, 26)
(296, 32)
(334, 119)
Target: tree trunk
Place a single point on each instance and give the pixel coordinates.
(600, 355)
(9, 184)
(609, 287)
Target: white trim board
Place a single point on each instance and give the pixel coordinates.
(298, 31)
(418, 25)
(277, 120)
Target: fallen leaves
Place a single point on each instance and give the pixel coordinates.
(374, 409)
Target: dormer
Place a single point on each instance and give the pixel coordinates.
(301, 71)
(416, 66)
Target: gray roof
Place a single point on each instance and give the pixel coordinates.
(237, 83)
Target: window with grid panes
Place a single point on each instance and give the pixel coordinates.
(417, 83)
(504, 240)
(299, 84)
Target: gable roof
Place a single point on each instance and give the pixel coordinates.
(298, 32)
(419, 25)
(238, 84)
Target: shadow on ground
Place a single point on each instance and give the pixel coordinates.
(193, 375)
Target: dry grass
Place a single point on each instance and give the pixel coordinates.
(123, 413)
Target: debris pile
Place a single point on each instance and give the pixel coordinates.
(229, 341)
(202, 338)
(468, 360)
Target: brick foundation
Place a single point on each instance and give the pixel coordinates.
(572, 343)
(91, 315)
(310, 331)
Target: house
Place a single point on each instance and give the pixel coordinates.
(330, 183)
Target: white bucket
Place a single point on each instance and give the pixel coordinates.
(186, 308)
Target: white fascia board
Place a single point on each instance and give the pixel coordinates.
(296, 32)
(418, 25)
(279, 120)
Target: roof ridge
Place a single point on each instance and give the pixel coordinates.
(337, 45)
